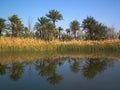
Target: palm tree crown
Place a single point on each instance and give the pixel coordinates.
(54, 15)
(16, 25)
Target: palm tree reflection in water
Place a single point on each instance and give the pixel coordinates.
(48, 68)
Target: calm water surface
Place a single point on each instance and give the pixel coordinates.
(60, 73)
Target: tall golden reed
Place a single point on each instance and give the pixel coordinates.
(35, 45)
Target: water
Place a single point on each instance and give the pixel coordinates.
(59, 73)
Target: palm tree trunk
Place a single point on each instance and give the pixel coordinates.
(91, 34)
(14, 32)
(40, 34)
(75, 35)
(59, 34)
(0, 33)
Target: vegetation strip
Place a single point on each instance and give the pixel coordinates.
(35, 45)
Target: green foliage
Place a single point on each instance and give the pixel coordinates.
(16, 25)
(89, 26)
(54, 16)
(93, 29)
(100, 32)
(75, 26)
(45, 29)
(59, 30)
(68, 31)
(2, 25)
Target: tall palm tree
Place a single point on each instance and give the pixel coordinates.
(60, 29)
(89, 25)
(75, 26)
(45, 28)
(16, 25)
(54, 15)
(50, 30)
(41, 26)
(2, 25)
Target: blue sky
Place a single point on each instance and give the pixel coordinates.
(104, 11)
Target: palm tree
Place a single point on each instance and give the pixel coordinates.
(94, 29)
(75, 26)
(2, 25)
(68, 31)
(100, 32)
(60, 29)
(50, 31)
(16, 25)
(54, 16)
(89, 25)
(41, 26)
(45, 28)
(68, 34)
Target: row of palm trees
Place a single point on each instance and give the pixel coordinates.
(46, 25)
(15, 25)
(45, 28)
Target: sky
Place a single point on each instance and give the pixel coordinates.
(104, 11)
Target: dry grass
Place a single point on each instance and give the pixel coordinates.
(34, 45)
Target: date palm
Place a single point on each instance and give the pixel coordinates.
(40, 26)
(45, 28)
(50, 31)
(54, 16)
(68, 31)
(60, 29)
(16, 25)
(75, 26)
(2, 25)
(94, 29)
(89, 26)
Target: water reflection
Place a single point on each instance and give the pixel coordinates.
(75, 64)
(94, 66)
(17, 69)
(48, 67)
(2, 69)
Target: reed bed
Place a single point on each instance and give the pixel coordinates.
(36, 45)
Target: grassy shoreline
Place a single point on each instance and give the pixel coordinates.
(34, 45)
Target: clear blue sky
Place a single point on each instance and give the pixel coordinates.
(104, 11)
